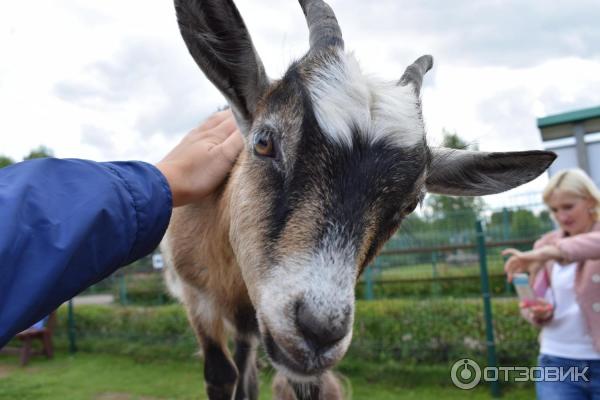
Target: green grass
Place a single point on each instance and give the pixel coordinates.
(107, 377)
(87, 376)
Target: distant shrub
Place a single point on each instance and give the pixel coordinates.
(141, 289)
(439, 331)
(463, 287)
(141, 332)
(409, 331)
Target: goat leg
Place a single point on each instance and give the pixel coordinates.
(220, 374)
(246, 342)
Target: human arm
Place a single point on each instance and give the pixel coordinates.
(564, 250)
(585, 246)
(529, 261)
(67, 224)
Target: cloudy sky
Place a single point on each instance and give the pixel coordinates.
(113, 80)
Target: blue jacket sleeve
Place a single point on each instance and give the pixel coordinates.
(67, 224)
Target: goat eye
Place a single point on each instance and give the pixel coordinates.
(417, 201)
(263, 145)
(412, 206)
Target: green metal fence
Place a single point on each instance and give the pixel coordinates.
(432, 255)
(436, 255)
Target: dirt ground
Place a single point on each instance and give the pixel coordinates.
(5, 370)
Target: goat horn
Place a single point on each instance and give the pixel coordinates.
(323, 27)
(415, 72)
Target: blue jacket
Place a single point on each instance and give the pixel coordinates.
(67, 224)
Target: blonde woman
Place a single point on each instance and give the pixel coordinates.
(565, 269)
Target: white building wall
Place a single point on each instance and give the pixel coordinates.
(567, 155)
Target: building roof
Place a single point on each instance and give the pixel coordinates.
(573, 116)
(561, 125)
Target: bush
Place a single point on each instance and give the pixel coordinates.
(439, 331)
(389, 330)
(141, 332)
(463, 287)
(141, 289)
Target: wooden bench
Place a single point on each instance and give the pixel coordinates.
(44, 334)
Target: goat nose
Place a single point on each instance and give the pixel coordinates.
(320, 333)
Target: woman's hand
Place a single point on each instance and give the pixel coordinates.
(202, 160)
(529, 261)
(539, 310)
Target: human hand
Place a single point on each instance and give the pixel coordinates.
(539, 309)
(529, 261)
(203, 158)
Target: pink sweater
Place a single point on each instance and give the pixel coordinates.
(584, 249)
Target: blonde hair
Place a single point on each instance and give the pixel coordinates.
(577, 183)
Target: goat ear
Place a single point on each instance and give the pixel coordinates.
(473, 173)
(217, 38)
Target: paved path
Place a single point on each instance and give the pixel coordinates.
(94, 299)
(5, 370)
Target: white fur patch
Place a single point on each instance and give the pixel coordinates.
(324, 282)
(172, 280)
(204, 308)
(396, 115)
(345, 101)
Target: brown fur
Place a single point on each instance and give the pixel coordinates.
(198, 237)
(199, 252)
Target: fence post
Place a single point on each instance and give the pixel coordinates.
(505, 237)
(505, 224)
(122, 291)
(369, 295)
(71, 328)
(487, 307)
(435, 285)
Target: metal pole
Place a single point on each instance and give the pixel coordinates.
(369, 295)
(435, 286)
(71, 328)
(123, 291)
(487, 307)
(581, 148)
(505, 224)
(505, 236)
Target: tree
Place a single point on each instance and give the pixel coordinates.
(546, 220)
(40, 152)
(520, 223)
(5, 161)
(453, 141)
(455, 213)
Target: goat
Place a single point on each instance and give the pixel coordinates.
(333, 161)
